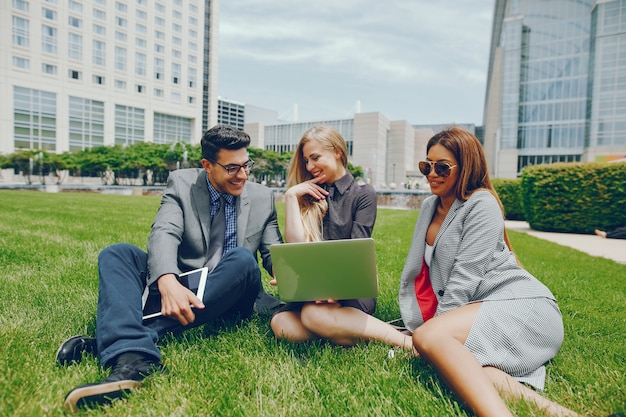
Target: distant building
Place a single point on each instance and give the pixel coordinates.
(388, 151)
(556, 90)
(76, 74)
(231, 113)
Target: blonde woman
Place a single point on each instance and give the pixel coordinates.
(324, 202)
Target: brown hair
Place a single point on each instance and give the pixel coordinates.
(473, 173)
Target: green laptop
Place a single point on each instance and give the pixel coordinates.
(330, 269)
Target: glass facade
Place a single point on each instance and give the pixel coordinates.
(171, 129)
(86, 123)
(561, 87)
(606, 106)
(35, 119)
(285, 137)
(129, 125)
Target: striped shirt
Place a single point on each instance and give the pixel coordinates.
(230, 211)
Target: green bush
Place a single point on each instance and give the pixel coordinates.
(509, 191)
(574, 197)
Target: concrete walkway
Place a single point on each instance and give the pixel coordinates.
(593, 245)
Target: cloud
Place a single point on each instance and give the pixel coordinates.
(410, 45)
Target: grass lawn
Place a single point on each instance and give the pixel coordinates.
(48, 291)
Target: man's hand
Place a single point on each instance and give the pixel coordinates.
(176, 300)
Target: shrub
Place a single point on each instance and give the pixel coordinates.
(574, 197)
(509, 191)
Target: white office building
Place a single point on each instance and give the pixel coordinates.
(81, 73)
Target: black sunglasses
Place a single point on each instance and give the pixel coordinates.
(232, 169)
(442, 169)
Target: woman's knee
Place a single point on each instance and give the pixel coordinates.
(285, 326)
(426, 338)
(320, 319)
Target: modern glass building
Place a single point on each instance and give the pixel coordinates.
(81, 73)
(554, 90)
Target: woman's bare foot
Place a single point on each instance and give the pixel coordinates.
(600, 233)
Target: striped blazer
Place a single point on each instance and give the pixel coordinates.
(471, 261)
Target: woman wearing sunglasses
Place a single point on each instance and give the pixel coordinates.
(324, 202)
(486, 324)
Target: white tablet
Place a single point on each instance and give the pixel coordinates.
(194, 280)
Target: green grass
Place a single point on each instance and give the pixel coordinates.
(48, 291)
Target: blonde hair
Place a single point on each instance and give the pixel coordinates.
(313, 211)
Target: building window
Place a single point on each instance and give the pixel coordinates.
(160, 8)
(99, 14)
(193, 34)
(193, 9)
(175, 73)
(120, 58)
(177, 15)
(191, 100)
(20, 32)
(120, 36)
(48, 39)
(48, 14)
(171, 129)
(98, 79)
(193, 21)
(99, 30)
(20, 5)
(191, 75)
(140, 88)
(192, 59)
(21, 63)
(140, 64)
(177, 28)
(175, 97)
(176, 54)
(75, 6)
(192, 46)
(121, 22)
(177, 41)
(75, 75)
(158, 92)
(34, 119)
(160, 49)
(159, 21)
(129, 125)
(159, 35)
(121, 7)
(141, 43)
(141, 15)
(120, 85)
(86, 123)
(159, 68)
(49, 69)
(142, 29)
(75, 46)
(75, 22)
(99, 52)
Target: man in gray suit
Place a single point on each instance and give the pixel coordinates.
(208, 217)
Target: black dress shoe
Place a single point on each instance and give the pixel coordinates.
(72, 349)
(129, 371)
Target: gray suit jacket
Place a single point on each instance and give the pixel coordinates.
(179, 239)
(471, 261)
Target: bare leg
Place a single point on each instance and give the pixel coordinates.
(511, 389)
(288, 325)
(347, 326)
(600, 233)
(441, 341)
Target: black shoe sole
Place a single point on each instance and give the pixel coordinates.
(98, 394)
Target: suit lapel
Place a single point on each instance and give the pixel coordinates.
(449, 217)
(243, 212)
(201, 203)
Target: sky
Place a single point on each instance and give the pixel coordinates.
(423, 61)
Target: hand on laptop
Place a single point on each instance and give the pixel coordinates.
(325, 301)
(177, 301)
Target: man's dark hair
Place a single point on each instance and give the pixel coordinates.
(222, 137)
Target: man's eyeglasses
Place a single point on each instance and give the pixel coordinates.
(442, 169)
(233, 169)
